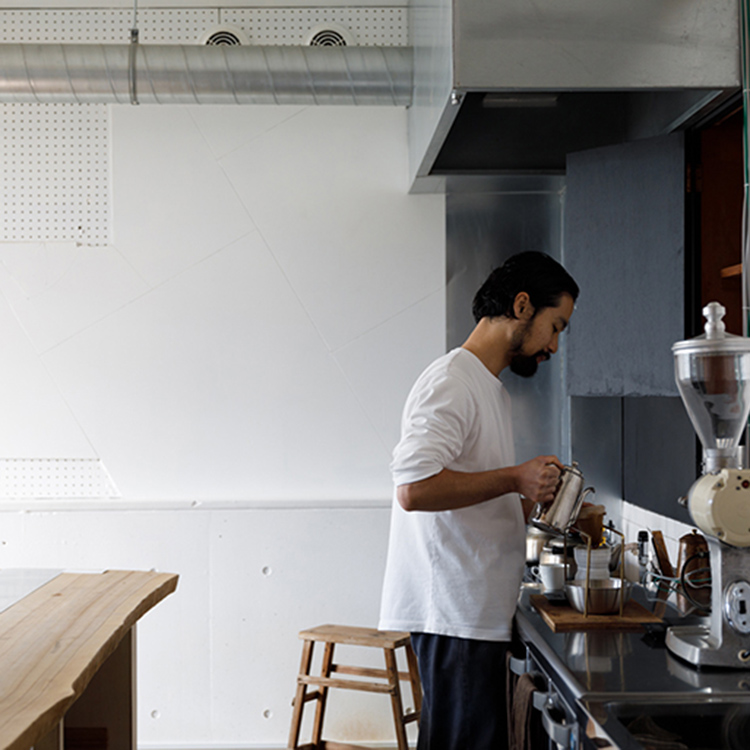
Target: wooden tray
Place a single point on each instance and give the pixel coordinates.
(563, 618)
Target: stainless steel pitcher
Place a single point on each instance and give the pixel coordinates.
(562, 512)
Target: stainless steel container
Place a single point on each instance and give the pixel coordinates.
(562, 512)
(535, 541)
(604, 595)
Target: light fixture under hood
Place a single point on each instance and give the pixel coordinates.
(505, 101)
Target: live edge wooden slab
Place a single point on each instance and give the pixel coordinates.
(563, 618)
(55, 639)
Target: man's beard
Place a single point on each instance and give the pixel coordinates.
(523, 364)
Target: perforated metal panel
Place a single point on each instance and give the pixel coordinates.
(54, 178)
(43, 478)
(102, 26)
(370, 26)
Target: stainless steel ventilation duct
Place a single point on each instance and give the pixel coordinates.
(177, 74)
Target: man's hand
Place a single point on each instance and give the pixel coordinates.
(539, 477)
(449, 490)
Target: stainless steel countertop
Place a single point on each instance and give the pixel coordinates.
(603, 670)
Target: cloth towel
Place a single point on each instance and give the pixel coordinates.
(525, 730)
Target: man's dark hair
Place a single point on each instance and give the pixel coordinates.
(540, 276)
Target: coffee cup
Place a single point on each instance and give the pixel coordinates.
(551, 575)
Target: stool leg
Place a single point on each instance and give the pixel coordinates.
(416, 684)
(300, 694)
(397, 705)
(325, 671)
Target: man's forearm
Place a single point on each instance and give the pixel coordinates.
(537, 479)
(450, 490)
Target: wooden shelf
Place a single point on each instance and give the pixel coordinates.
(730, 271)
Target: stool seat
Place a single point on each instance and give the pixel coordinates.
(386, 681)
(355, 636)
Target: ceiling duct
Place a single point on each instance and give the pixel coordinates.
(207, 74)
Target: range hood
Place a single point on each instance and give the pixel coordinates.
(512, 86)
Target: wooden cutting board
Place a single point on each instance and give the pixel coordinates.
(563, 618)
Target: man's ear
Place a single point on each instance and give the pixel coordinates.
(522, 307)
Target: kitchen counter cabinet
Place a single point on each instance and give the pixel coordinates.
(67, 649)
(600, 673)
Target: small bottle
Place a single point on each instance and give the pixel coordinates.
(643, 553)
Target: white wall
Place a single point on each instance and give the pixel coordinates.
(237, 359)
(636, 518)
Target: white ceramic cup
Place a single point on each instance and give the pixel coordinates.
(552, 576)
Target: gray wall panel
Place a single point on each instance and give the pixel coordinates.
(624, 243)
(660, 458)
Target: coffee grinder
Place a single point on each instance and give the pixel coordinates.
(713, 375)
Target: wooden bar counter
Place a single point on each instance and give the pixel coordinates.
(67, 657)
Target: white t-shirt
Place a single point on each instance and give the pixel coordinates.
(454, 572)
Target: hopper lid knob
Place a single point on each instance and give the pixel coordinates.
(714, 313)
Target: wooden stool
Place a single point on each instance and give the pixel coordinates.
(389, 641)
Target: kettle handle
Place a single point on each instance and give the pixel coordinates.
(578, 505)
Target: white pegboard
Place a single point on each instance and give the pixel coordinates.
(55, 478)
(55, 177)
(103, 26)
(370, 25)
(282, 26)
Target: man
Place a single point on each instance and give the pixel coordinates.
(457, 546)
